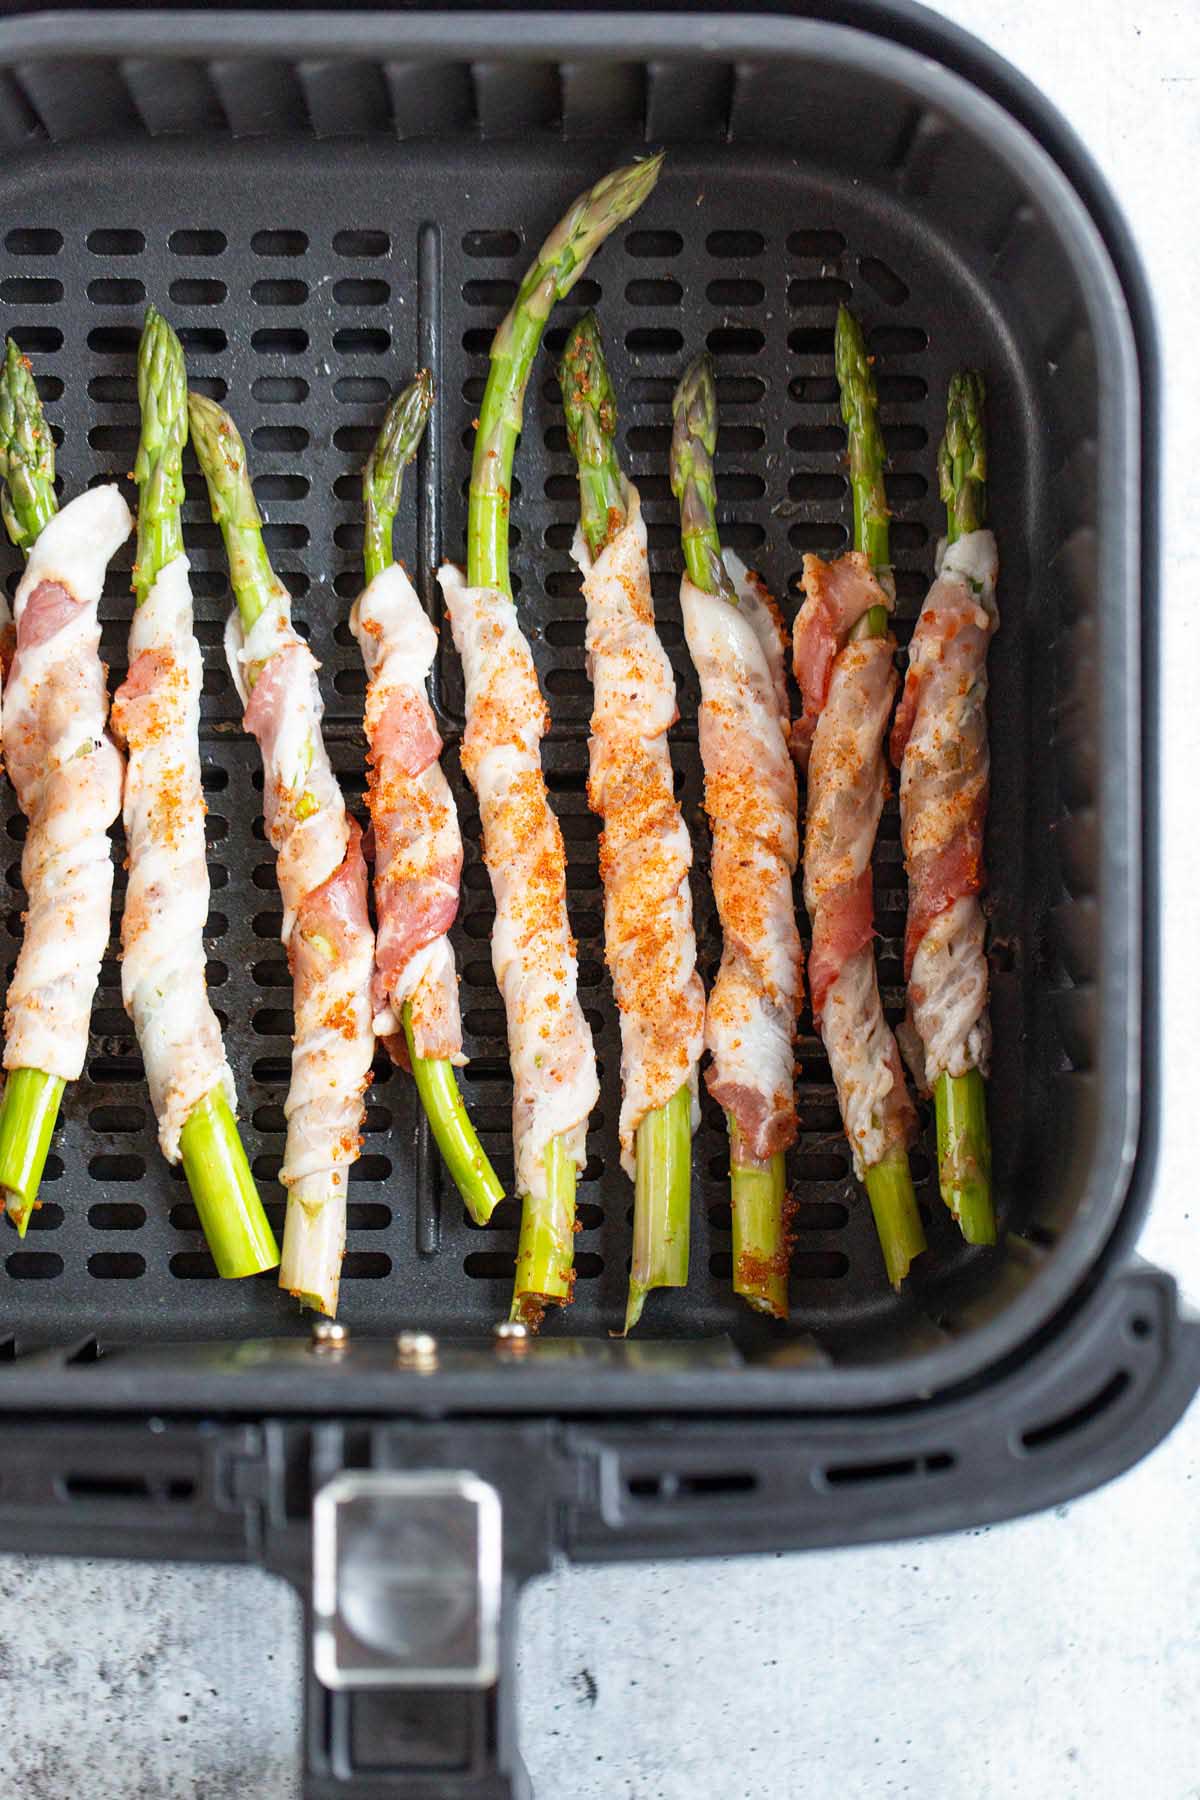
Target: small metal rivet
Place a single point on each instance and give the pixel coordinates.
(511, 1336)
(328, 1335)
(417, 1349)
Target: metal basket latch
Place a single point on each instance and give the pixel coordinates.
(410, 1693)
(406, 1580)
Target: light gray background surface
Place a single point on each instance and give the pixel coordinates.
(1059, 1656)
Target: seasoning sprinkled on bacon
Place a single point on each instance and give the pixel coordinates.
(67, 773)
(418, 846)
(847, 784)
(321, 876)
(156, 712)
(550, 1047)
(736, 640)
(843, 654)
(940, 745)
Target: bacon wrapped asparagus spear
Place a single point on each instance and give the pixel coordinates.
(67, 773)
(553, 1060)
(418, 847)
(156, 712)
(939, 743)
(645, 850)
(321, 873)
(844, 655)
(736, 641)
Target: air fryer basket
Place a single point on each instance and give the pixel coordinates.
(324, 206)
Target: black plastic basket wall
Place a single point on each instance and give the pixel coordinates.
(308, 272)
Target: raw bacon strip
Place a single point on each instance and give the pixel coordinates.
(156, 711)
(555, 1084)
(418, 846)
(848, 689)
(645, 850)
(67, 773)
(939, 743)
(331, 948)
(837, 594)
(750, 797)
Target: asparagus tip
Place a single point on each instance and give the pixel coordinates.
(962, 454)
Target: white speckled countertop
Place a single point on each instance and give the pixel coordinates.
(1058, 1656)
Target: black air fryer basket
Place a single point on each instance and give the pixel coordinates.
(322, 203)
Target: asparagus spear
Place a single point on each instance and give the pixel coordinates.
(960, 1101)
(546, 1252)
(889, 1183)
(214, 1160)
(590, 410)
(29, 1108)
(758, 1191)
(663, 1148)
(330, 1067)
(437, 1085)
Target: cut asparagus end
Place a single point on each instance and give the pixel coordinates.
(383, 477)
(761, 1251)
(546, 1252)
(453, 1132)
(28, 1113)
(661, 1203)
(962, 456)
(231, 1212)
(897, 1221)
(26, 452)
(693, 477)
(860, 410)
(965, 1154)
(590, 410)
(158, 470)
(314, 1242)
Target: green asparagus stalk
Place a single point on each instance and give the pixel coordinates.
(559, 264)
(311, 1247)
(546, 1251)
(590, 410)
(222, 457)
(437, 1085)
(231, 1213)
(29, 1108)
(960, 1101)
(889, 1182)
(758, 1191)
(663, 1149)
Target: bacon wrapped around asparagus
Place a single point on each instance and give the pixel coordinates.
(736, 641)
(156, 714)
(418, 846)
(645, 850)
(939, 744)
(555, 1084)
(321, 874)
(67, 773)
(844, 665)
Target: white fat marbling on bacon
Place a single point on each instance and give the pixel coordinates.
(156, 711)
(847, 711)
(864, 1059)
(330, 945)
(645, 851)
(750, 797)
(550, 1046)
(67, 773)
(418, 846)
(940, 745)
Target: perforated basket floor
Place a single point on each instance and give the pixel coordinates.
(306, 281)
